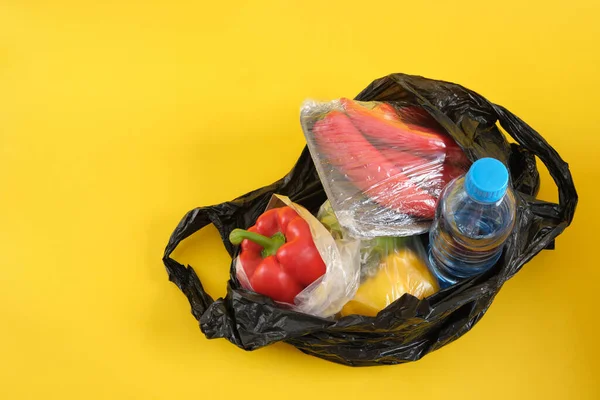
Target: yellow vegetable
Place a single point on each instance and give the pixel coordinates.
(390, 267)
(402, 271)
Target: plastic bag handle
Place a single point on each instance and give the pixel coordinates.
(185, 277)
(396, 87)
(558, 168)
(229, 215)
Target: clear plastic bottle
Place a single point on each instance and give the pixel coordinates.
(474, 216)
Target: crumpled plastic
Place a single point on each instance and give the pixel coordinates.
(409, 328)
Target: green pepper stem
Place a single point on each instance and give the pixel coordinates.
(390, 242)
(387, 245)
(269, 245)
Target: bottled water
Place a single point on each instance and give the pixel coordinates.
(474, 216)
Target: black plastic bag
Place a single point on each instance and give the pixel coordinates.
(409, 328)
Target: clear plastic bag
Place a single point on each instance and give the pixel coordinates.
(327, 295)
(383, 167)
(390, 267)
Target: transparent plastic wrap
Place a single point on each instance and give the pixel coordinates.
(390, 268)
(325, 296)
(382, 166)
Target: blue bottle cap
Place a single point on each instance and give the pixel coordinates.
(486, 180)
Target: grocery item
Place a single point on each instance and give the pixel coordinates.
(400, 268)
(382, 167)
(368, 169)
(381, 123)
(474, 217)
(389, 268)
(278, 254)
(289, 256)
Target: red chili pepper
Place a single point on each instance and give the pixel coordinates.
(410, 128)
(451, 171)
(455, 162)
(279, 255)
(391, 132)
(429, 174)
(411, 164)
(419, 120)
(348, 150)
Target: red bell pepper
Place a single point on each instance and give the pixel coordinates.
(279, 255)
(349, 151)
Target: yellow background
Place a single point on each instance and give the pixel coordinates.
(118, 117)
